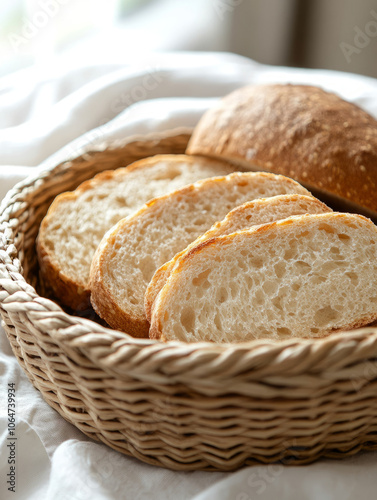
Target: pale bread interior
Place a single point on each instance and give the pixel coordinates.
(130, 254)
(304, 276)
(77, 221)
(249, 214)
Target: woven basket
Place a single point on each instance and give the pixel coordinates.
(181, 406)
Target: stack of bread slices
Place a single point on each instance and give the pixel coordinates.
(189, 248)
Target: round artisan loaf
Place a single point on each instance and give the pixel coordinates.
(299, 131)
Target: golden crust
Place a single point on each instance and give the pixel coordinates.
(156, 284)
(75, 295)
(264, 228)
(300, 131)
(102, 301)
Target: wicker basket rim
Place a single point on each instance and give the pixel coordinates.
(205, 364)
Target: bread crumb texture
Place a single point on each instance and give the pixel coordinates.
(249, 214)
(304, 276)
(77, 221)
(137, 246)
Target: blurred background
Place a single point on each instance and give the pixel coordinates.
(333, 34)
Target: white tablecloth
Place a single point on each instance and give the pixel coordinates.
(57, 111)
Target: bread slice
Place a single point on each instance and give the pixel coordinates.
(304, 276)
(77, 221)
(137, 246)
(245, 216)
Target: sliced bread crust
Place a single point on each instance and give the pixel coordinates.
(304, 276)
(76, 221)
(137, 246)
(249, 214)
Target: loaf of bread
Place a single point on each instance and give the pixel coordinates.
(137, 246)
(76, 221)
(304, 276)
(249, 214)
(327, 144)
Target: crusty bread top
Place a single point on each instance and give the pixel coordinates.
(249, 214)
(300, 131)
(137, 246)
(304, 276)
(76, 221)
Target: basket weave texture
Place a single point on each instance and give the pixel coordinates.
(184, 407)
